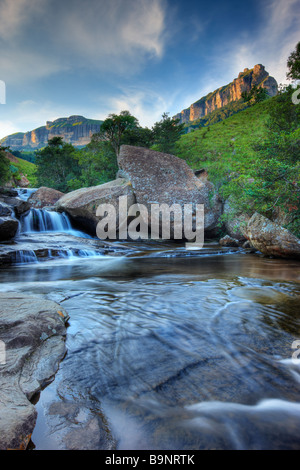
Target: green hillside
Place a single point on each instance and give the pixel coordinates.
(253, 157)
(26, 168)
(220, 146)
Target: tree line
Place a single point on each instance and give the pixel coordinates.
(62, 167)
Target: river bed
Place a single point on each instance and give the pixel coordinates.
(170, 349)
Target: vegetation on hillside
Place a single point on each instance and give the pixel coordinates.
(253, 157)
(4, 166)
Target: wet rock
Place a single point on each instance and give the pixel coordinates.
(32, 340)
(44, 197)
(8, 228)
(271, 239)
(162, 178)
(82, 204)
(228, 241)
(5, 210)
(19, 206)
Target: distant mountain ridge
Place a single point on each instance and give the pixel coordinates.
(221, 97)
(76, 130)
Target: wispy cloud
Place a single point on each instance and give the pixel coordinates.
(115, 36)
(272, 43)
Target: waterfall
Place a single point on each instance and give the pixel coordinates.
(42, 220)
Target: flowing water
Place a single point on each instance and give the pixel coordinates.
(170, 349)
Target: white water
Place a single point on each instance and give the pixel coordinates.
(43, 221)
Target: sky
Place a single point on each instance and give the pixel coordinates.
(96, 57)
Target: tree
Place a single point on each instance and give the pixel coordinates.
(255, 95)
(97, 163)
(5, 173)
(113, 128)
(56, 164)
(138, 136)
(166, 133)
(293, 64)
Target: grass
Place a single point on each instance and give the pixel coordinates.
(27, 169)
(220, 146)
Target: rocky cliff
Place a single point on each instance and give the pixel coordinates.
(232, 92)
(76, 130)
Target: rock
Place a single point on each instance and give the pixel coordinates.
(5, 210)
(44, 197)
(8, 228)
(82, 204)
(18, 205)
(271, 239)
(5, 192)
(10, 197)
(32, 340)
(162, 178)
(232, 92)
(228, 241)
(235, 224)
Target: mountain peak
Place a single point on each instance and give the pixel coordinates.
(246, 80)
(76, 130)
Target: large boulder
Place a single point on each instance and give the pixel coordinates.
(82, 204)
(271, 239)
(32, 343)
(44, 197)
(165, 179)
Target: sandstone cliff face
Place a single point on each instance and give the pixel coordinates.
(76, 130)
(228, 93)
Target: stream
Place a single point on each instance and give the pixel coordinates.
(166, 348)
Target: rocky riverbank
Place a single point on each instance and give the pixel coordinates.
(32, 340)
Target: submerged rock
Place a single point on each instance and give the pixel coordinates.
(32, 343)
(44, 197)
(271, 239)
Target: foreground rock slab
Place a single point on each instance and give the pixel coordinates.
(32, 343)
(271, 239)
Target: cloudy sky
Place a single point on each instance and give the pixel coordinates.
(95, 57)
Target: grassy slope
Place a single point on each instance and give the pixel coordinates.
(27, 169)
(224, 144)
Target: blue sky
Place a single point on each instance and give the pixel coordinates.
(96, 57)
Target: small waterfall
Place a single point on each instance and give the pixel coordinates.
(39, 220)
(25, 257)
(25, 193)
(42, 221)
